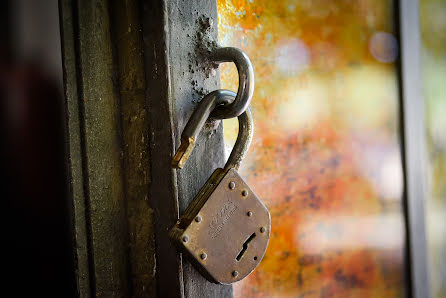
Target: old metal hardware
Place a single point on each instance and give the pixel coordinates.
(226, 229)
(246, 81)
(197, 121)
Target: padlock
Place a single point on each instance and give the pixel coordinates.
(226, 228)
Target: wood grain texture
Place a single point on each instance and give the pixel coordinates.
(95, 145)
(108, 234)
(74, 150)
(162, 187)
(127, 37)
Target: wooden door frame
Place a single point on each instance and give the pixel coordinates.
(173, 38)
(133, 72)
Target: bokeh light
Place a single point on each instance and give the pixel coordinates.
(325, 157)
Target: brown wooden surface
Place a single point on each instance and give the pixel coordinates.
(162, 187)
(129, 93)
(127, 36)
(102, 144)
(108, 140)
(74, 152)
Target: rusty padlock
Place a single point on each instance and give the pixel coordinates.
(226, 229)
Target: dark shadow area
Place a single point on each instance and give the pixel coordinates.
(37, 239)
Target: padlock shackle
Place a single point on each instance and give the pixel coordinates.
(244, 138)
(196, 123)
(245, 79)
(197, 120)
(204, 108)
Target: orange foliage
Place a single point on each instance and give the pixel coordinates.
(333, 234)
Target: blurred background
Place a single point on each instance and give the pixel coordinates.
(326, 155)
(37, 233)
(327, 149)
(433, 55)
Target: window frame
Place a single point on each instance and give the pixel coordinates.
(413, 146)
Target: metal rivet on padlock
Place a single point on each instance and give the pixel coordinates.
(234, 228)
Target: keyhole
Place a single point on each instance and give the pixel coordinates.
(245, 247)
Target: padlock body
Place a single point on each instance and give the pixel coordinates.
(227, 236)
